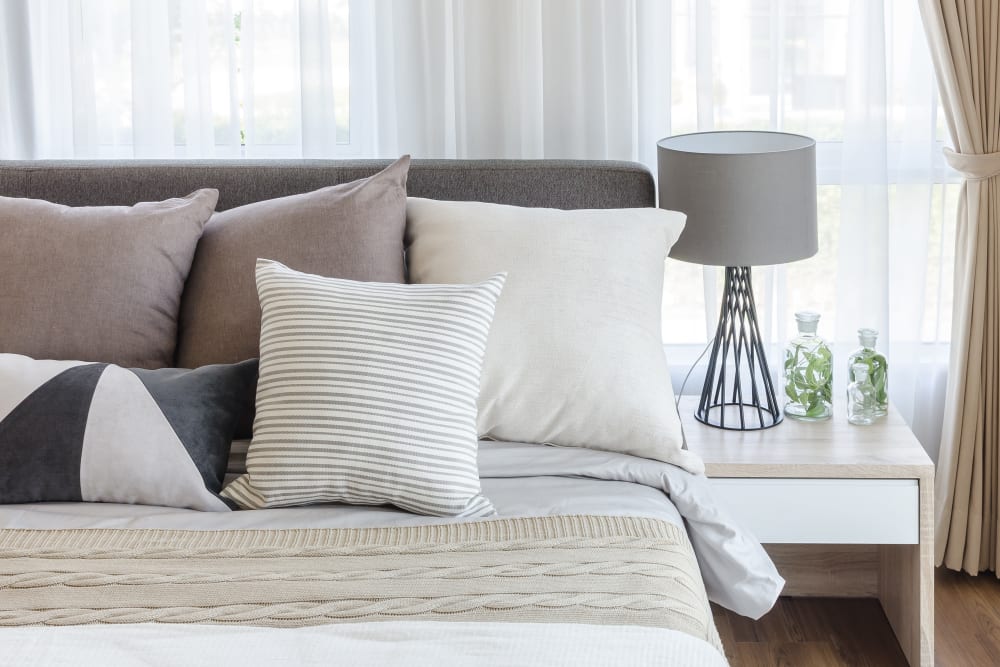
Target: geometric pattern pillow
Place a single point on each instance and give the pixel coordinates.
(367, 394)
(74, 431)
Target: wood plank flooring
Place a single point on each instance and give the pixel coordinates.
(839, 631)
(967, 616)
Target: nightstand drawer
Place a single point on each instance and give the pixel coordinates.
(824, 511)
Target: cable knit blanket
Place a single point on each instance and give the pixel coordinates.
(567, 569)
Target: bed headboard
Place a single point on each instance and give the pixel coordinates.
(563, 184)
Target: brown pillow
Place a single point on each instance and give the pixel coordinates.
(97, 283)
(353, 231)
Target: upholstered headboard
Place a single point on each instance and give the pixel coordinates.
(551, 183)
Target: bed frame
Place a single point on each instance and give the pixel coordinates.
(565, 184)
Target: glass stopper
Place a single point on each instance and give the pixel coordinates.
(867, 337)
(807, 321)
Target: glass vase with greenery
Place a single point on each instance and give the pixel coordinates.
(878, 369)
(808, 372)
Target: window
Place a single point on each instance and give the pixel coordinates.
(192, 78)
(857, 78)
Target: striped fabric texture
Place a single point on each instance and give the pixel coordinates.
(367, 394)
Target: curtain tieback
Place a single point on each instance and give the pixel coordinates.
(973, 166)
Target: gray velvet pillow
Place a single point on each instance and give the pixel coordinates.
(74, 431)
(353, 231)
(99, 283)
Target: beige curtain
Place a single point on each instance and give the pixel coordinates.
(964, 38)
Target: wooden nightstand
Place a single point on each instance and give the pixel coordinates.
(845, 511)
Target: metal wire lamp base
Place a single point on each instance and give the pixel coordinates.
(739, 392)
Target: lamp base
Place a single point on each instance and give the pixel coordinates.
(739, 392)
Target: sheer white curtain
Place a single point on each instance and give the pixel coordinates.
(541, 78)
(174, 78)
(522, 78)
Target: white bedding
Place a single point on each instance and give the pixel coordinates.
(524, 496)
(411, 643)
(521, 480)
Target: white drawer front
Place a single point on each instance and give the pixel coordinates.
(824, 511)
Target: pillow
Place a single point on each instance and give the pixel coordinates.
(74, 431)
(367, 394)
(99, 283)
(575, 355)
(353, 230)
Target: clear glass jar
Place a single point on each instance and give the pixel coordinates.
(808, 372)
(861, 397)
(877, 366)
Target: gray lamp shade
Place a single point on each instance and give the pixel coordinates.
(750, 197)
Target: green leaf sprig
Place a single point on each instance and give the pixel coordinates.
(809, 378)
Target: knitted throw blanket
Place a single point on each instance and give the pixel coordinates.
(567, 569)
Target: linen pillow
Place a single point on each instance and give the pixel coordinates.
(353, 230)
(74, 431)
(367, 394)
(101, 283)
(575, 354)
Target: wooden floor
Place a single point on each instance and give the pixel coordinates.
(830, 631)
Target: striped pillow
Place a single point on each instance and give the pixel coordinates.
(367, 394)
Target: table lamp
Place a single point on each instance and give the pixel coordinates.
(750, 200)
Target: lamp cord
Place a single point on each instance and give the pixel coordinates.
(677, 399)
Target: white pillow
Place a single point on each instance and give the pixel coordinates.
(367, 394)
(575, 354)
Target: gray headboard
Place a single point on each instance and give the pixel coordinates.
(550, 183)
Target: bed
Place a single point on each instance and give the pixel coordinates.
(594, 558)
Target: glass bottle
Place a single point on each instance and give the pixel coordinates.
(860, 397)
(808, 372)
(878, 369)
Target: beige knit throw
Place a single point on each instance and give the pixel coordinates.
(568, 569)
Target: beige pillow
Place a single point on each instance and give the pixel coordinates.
(353, 230)
(97, 283)
(575, 354)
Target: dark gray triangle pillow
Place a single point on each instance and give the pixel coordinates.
(74, 431)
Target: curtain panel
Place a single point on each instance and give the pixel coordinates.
(966, 51)
(593, 79)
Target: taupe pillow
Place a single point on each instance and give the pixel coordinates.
(353, 231)
(97, 283)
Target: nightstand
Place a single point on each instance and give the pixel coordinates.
(844, 511)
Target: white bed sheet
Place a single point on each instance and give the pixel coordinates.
(513, 497)
(381, 644)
